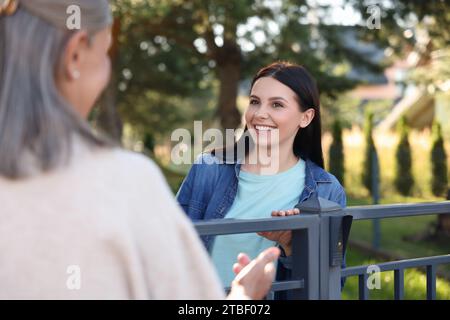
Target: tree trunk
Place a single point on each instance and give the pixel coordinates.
(108, 119)
(229, 73)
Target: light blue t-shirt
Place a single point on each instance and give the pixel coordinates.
(257, 196)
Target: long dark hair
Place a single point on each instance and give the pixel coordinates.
(308, 141)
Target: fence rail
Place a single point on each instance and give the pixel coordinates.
(320, 235)
(399, 267)
(398, 210)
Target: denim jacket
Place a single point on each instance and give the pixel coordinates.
(209, 189)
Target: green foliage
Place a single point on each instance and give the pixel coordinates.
(156, 114)
(351, 110)
(404, 180)
(185, 49)
(370, 153)
(336, 152)
(422, 18)
(439, 178)
(174, 179)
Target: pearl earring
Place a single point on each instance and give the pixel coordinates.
(75, 74)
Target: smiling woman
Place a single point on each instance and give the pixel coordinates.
(280, 113)
(284, 99)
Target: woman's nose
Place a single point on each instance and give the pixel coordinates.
(262, 113)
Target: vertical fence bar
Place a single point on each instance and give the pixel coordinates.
(300, 251)
(324, 258)
(305, 259)
(376, 241)
(431, 282)
(399, 284)
(362, 284)
(331, 254)
(329, 245)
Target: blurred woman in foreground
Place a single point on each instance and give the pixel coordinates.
(81, 218)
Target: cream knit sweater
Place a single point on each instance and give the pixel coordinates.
(104, 227)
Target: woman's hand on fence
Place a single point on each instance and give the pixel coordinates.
(254, 277)
(284, 238)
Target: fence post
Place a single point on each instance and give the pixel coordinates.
(376, 241)
(305, 259)
(334, 227)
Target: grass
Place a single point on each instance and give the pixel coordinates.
(414, 281)
(396, 233)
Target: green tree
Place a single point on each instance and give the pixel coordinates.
(403, 22)
(370, 154)
(336, 153)
(205, 48)
(439, 181)
(404, 180)
(403, 17)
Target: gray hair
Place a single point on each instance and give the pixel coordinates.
(35, 121)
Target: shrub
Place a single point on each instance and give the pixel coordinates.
(404, 180)
(439, 178)
(336, 152)
(369, 154)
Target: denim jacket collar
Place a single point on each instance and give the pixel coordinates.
(313, 175)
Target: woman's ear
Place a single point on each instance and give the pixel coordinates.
(307, 117)
(73, 56)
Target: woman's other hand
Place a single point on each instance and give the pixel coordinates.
(254, 277)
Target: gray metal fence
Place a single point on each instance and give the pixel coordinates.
(319, 238)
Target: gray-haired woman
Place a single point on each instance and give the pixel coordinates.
(79, 217)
